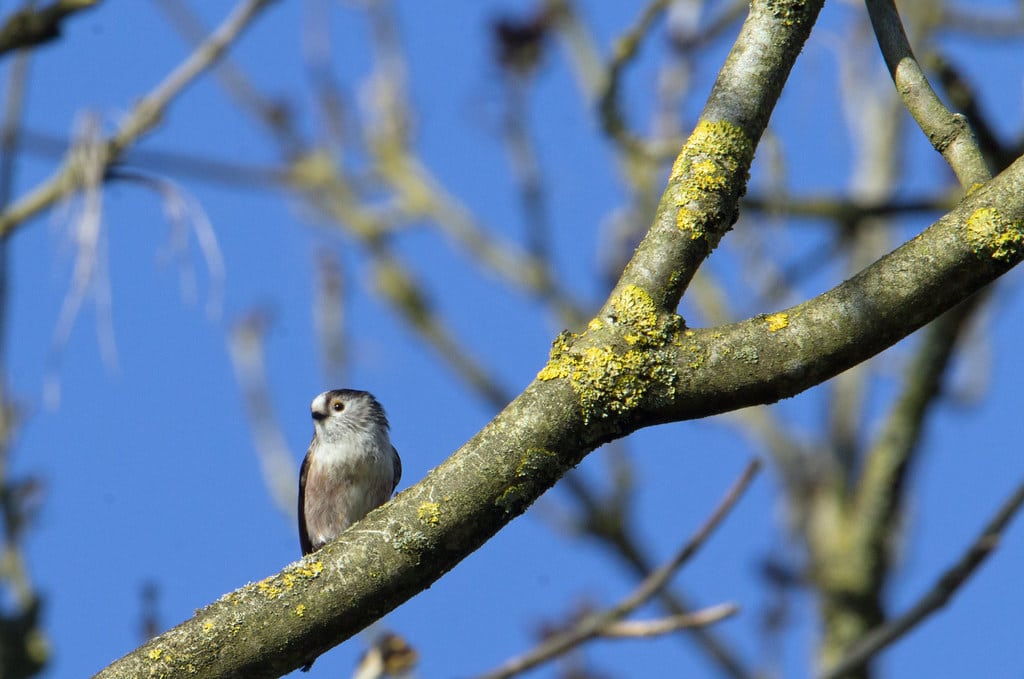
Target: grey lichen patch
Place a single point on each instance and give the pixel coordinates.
(632, 367)
(991, 235)
(695, 351)
(707, 177)
(409, 540)
(747, 353)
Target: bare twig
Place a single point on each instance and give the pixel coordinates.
(633, 629)
(626, 49)
(276, 462)
(879, 489)
(29, 27)
(330, 316)
(845, 210)
(143, 117)
(260, 178)
(938, 596)
(595, 625)
(999, 24)
(604, 520)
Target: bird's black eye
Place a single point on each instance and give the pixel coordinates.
(338, 406)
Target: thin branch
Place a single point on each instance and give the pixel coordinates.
(260, 178)
(30, 27)
(268, 111)
(938, 596)
(948, 133)
(997, 24)
(846, 210)
(580, 45)
(625, 50)
(880, 487)
(145, 115)
(595, 625)
(711, 30)
(638, 629)
(604, 520)
(277, 466)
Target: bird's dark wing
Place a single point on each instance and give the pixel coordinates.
(397, 462)
(304, 541)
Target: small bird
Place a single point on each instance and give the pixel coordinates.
(350, 468)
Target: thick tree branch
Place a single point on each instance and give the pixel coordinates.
(710, 174)
(958, 255)
(639, 369)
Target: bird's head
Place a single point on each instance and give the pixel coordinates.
(346, 411)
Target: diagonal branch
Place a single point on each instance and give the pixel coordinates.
(598, 624)
(879, 488)
(934, 599)
(639, 370)
(143, 117)
(710, 174)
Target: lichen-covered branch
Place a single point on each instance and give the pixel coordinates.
(710, 174)
(949, 261)
(635, 366)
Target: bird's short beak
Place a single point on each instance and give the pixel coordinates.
(319, 415)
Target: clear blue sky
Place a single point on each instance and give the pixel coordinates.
(149, 469)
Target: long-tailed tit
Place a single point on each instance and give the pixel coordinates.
(350, 468)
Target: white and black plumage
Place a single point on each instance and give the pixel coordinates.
(350, 468)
